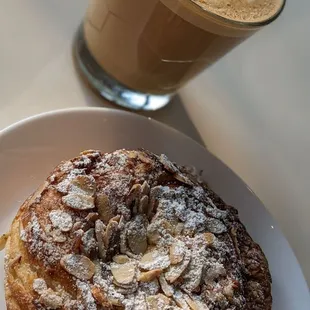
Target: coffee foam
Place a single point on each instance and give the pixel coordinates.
(197, 12)
(242, 10)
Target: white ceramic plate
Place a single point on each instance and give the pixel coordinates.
(31, 148)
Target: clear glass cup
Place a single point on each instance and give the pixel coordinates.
(138, 53)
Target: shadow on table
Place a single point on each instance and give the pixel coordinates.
(174, 114)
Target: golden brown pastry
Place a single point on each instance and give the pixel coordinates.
(131, 230)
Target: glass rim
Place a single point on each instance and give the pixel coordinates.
(244, 24)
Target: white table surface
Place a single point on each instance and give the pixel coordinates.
(252, 109)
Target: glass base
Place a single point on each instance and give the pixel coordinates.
(108, 87)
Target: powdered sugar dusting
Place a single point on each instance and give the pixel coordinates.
(39, 285)
(61, 220)
(86, 295)
(157, 223)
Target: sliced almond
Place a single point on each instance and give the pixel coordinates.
(177, 252)
(90, 152)
(78, 201)
(180, 300)
(153, 234)
(123, 273)
(154, 260)
(112, 238)
(167, 289)
(50, 299)
(182, 178)
(115, 302)
(145, 188)
(100, 234)
(76, 226)
(92, 217)
(123, 242)
(123, 288)
(89, 244)
(58, 236)
(116, 218)
(61, 220)
(210, 238)
(77, 240)
(136, 235)
(155, 229)
(149, 276)
(153, 201)
(192, 278)
(143, 157)
(175, 271)
(121, 259)
(101, 297)
(144, 205)
(178, 229)
(78, 265)
(134, 197)
(157, 302)
(3, 240)
(194, 304)
(105, 209)
(127, 289)
(168, 165)
(85, 184)
(135, 193)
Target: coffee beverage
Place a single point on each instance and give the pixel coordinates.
(155, 46)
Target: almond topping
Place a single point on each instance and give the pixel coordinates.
(84, 184)
(50, 299)
(210, 238)
(145, 188)
(121, 259)
(157, 302)
(175, 271)
(79, 201)
(136, 236)
(168, 165)
(179, 229)
(101, 297)
(105, 210)
(180, 300)
(177, 252)
(154, 260)
(58, 236)
(167, 289)
(144, 204)
(100, 233)
(123, 273)
(194, 304)
(78, 265)
(149, 276)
